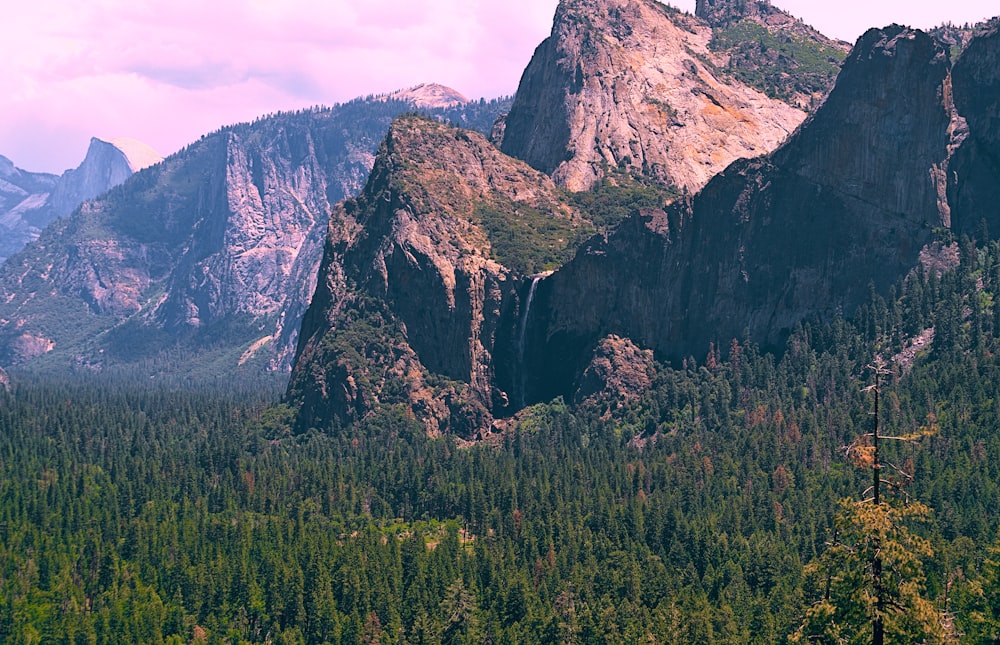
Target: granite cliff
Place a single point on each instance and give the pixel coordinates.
(844, 206)
(30, 201)
(462, 337)
(206, 261)
(973, 188)
(639, 87)
(418, 281)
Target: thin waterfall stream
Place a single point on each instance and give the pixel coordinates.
(522, 373)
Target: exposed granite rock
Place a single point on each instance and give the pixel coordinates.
(619, 372)
(4, 381)
(457, 337)
(410, 269)
(774, 240)
(30, 201)
(430, 96)
(22, 195)
(632, 85)
(211, 255)
(974, 177)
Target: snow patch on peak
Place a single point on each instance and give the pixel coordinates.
(137, 154)
(429, 96)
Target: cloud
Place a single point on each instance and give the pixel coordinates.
(167, 71)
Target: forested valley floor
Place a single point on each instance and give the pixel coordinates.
(696, 513)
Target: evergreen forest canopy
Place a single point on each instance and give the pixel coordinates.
(707, 511)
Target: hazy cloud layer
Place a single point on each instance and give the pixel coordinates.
(168, 71)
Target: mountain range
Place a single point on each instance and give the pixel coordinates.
(207, 260)
(660, 185)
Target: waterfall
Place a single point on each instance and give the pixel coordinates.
(521, 338)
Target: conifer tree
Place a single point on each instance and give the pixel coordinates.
(871, 575)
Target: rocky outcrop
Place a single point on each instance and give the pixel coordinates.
(803, 232)
(634, 86)
(618, 373)
(212, 254)
(429, 96)
(30, 201)
(413, 272)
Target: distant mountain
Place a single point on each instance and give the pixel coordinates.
(29, 201)
(430, 96)
(205, 262)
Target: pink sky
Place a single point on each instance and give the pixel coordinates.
(168, 71)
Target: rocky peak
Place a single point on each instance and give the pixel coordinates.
(105, 166)
(633, 86)
(29, 201)
(420, 264)
(429, 96)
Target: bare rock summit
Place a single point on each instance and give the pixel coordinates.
(429, 96)
(633, 85)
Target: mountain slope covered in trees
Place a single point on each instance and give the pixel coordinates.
(690, 514)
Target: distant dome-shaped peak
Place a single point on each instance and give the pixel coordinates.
(138, 154)
(430, 96)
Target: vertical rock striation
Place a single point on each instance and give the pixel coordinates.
(634, 86)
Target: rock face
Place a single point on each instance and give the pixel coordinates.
(213, 253)
(29, 201)
(412, 295)
(420, 303)
(771, 241)
(973, 185)
(634, 86)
